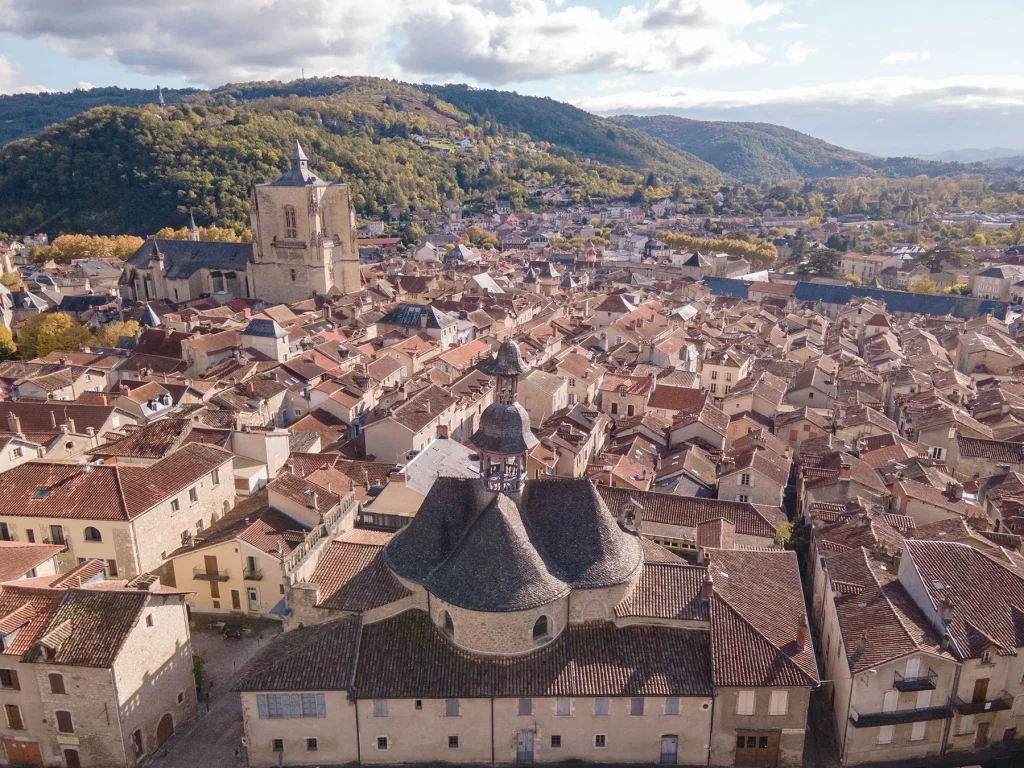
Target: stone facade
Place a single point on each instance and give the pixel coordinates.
(501, 633)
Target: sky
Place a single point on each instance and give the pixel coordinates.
(889, 77)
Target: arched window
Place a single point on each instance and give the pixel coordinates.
(449, 625)
(291, 222)
(323, 220)
(92, 534)
(540, 628)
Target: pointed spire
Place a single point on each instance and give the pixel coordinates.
(193, 230)
(149, 318)
(298, 156)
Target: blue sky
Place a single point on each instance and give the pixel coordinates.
(896, 77)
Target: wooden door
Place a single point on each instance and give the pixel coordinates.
(164, 729)
(759, 749)
(236, 600)
(210, 561)
(71, 759)
(669, 749)
(981, 735)
(22, 753)
(980, 691)
(524, 747)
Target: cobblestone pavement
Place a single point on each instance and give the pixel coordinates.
(211, 738)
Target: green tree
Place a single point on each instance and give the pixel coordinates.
(42, 334)
(943, 255)
(8, 349)
(821, 262)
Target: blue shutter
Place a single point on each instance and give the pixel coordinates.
(286, 702)
(296, 705)
(261, 706)
(321, 706)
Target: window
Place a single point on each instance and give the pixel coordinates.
(601, 707)
(278, 745)
(556, 741)
(885, 734)
(14, 721)
(778, 704)
(451, 708)
(615, 409)
(16, 453)
(890, 701)
(924, 699)
(636, 707)
(672, 705)
(563, 707)
(714, 388)
(311, 745)
(917, 730)
(745, 703)
(112, 568)
(56, 683)
(601, 740)
(744, 479)
(64, 724)
(92, 534)
(57, 535)
(175, 505)
(30, 535)
(291, 224)
(986, 657)
(966, 724)
(382, 742)
(181, 697)
(193, 495)
(743, 498)
(453, 742)
(728, 376)
(525, 707)
(540, 628)
(380, 708)
(714, 375)
(137, 741)
(293, 275)
(449, 625)
(572, 382)
(9, 680)
(215, 477)
(418, 705)
(272, 706)
(40, 493)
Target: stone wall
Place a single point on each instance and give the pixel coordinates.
(599, 604)
(792, 725)
(506, 632)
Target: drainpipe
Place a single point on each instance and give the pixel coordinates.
(711, 728)
(492, 731)
(359, 751)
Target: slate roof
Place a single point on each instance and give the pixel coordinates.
(183, 258)
(315, 658)
(504, 429)
(265, 328)
(408, 316)
(407, 657)
(478, 550)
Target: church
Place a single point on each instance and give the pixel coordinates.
(303, 243)
(519, 621)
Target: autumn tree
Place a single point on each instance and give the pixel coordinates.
(108, 335)
(42, 334)
(925, 285)
(480, 237)
(11, 280)
(66, 248)
(8, 348)
(217, 234)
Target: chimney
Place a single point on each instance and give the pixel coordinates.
(71, 426)
(314, 500)
(398, 478)
(707, 587)
(423, 319)
(13, 424)
(862, 644)
(53, 419)
(802, 632)
(845, 470)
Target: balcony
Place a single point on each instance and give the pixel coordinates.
(898, 717)
(920, 683)
(1002, 701)
(205, 574)
(252, 574)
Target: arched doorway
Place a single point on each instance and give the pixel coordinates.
(164, 729)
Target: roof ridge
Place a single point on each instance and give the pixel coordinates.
(758, 632)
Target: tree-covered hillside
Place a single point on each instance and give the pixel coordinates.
(761, 152)
(577, 133)
(135, 170)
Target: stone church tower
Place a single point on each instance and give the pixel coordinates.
(304, 236)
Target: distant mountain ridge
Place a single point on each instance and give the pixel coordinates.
(972, 155)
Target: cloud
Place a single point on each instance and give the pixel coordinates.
(12, 79)
(905, 57)
(960, 93)
(790, 25)
(798, 53)
(487, 41)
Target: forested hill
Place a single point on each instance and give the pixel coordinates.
(137, 169)
(762, 152)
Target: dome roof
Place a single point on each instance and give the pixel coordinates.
(496, 567)
(504, 428)
(507, 362)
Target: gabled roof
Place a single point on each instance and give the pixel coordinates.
(183, 258)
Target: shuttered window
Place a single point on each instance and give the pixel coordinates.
(273, 706)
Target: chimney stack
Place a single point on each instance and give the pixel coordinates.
(53, 419)
(845, 470)
(862, 644)
(13, 424)
(707, 587)
(802, 632)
